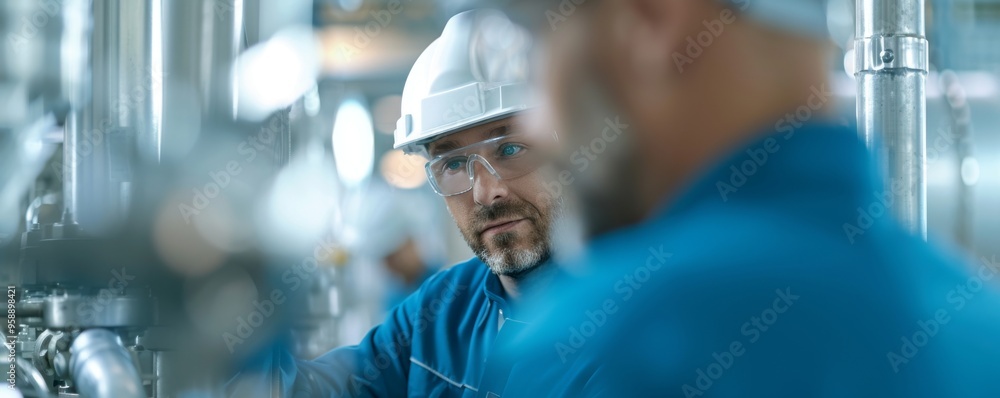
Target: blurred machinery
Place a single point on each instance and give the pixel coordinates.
(133, 94)
(75, 324)
(156, 209)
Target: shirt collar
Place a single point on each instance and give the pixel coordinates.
(495, 292)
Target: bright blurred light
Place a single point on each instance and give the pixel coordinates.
(353, 142)
(849, 65)
(302, 204)
(974, 85)
(840, 21)
(182, 245)
(979, 84)
(403, 171)
(274, 74)
(311, 103)
(350, 5)
(970, 171)
(34, 148)
(386, 113)
(348, 55)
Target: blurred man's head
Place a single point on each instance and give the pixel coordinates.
(489, 177)
(685, 80)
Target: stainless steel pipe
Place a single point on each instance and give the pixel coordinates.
(201, 39)
(102, 368)
(118, 120)
(891, 56)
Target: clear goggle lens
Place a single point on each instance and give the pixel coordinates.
(506, 157)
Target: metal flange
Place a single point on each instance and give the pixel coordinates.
(890, 52)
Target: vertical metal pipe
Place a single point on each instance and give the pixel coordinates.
(118, 120)
(891, 53)
(137, 76)
(201, 39)
(76, 52)
(71, 173)
(164, 383)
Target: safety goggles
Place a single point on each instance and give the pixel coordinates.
(506, 157)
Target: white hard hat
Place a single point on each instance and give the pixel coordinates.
(476, 72)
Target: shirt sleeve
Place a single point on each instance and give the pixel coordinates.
(376, 367)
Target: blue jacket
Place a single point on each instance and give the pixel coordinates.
(437, 343)
(777, 273)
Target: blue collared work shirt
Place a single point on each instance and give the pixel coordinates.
(436, 343)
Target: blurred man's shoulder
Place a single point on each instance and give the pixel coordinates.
(715, 250)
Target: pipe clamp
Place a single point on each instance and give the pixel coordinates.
(890, 52)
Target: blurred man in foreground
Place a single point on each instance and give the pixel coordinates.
(459, 110)
(740, 244)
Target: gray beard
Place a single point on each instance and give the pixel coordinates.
(506, 260)
(514, 262)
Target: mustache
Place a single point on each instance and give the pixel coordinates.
(486, 214)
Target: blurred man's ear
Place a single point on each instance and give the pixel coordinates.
(654, 29)
(636, 44)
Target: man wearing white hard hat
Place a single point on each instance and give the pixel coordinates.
(460, 110)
